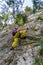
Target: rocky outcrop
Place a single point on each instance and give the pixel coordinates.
(23, 54)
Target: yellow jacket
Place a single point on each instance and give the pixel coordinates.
(16, 35)
(16, 39)
(14, 44)
(23, 32)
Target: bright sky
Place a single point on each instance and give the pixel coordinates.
(26, 3)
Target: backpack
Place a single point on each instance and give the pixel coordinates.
(14, 32)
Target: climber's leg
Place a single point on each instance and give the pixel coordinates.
(14, 44)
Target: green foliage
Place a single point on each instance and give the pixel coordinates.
(15, 5)
(14, 21)
(1, 18)
(33, 28)
(34, 10)
(18, 22)
(41, 42)
(39, 17)
(41, 49)
(28, 9)
(37, 5)
(24, 17)
(5, 16)
(21, 19)
(10, 2)
(1, 24)
(38, 61)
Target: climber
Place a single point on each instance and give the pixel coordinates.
(18, 34)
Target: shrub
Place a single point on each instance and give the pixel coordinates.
(1, 24)
(38, 61)
(33, 28)
(28, 9)
(39, 17)
(41, 49)
(21, 19)
(34, 10)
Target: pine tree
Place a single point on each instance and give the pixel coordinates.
(15, 4)
(37, 4)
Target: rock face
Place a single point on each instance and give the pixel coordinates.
(25, 53)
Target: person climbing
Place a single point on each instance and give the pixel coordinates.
(18, 34)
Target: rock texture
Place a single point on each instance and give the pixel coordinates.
(25, 53)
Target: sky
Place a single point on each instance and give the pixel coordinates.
(26, 3)
(2, 3)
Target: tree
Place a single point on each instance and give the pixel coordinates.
(27, 9)
(5, 17)
(37, 4)
(21, 19)
(41, 4)
(15, 5)
(1, 18)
